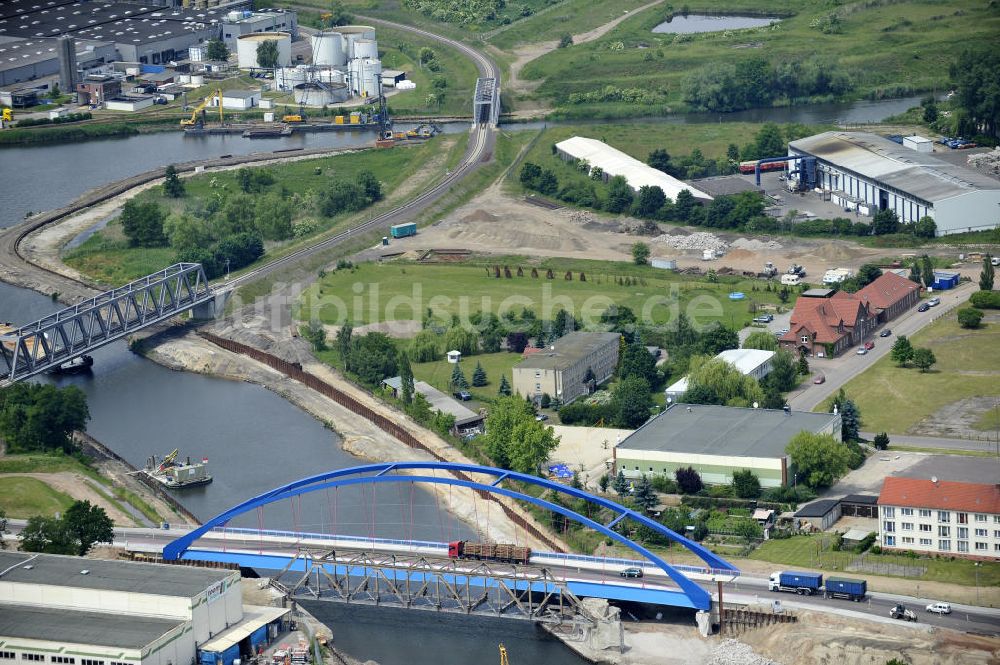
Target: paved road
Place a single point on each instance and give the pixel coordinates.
(840, 370)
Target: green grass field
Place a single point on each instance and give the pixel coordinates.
(885, 47)
(107, 258)
(893, 399)
(22, 497)
(804, 552)
(438, 373)
(403, 291)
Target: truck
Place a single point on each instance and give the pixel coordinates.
(404, 230)
(901, 612)
(790, 280)
(804, 584)
(842, 587)
(464, 549)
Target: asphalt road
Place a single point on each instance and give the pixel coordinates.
(842, 369)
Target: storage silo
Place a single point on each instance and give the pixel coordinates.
(365, 76)
(353, 33)
(246, 48)
(286, 78)
(366, 48)
(313, 94)
(329, 49)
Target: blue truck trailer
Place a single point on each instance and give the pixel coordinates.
(804, 584)
(404, 230)
(842, 587)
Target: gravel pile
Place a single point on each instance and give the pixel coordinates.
(581, 217)
(755, 245)
(699, 240)
(731, 652)
(986, 161)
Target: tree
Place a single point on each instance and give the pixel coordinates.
(803, 366)
(746, 484)
(749, 530)
(426, 55)
(640, 253)
(619, 195)
(977, 95)
(902, 351)
(631, 402)
(770, 142)
(372, 358)
(645, 497)
(315, 333)
(342, 196)
(172, 185)
(688, 480)
(458, 381)
(915, 272)
(461, 339)
(88, 524)
(344, 340)
(530, 174)
(867, 274)
(784, 295)
(636, 360)
(273, 217)
(881, 441)
(885, 222)
(507, 414)
(142, 223)
(406, 386)
(925, 227)
(783, 371)
(761, 339)
(217, 50)
(717, 339)
(38, 417)
(479, 376)
(850, 417)
(425, 347)
(819, 458)
(48, 535)
(602, 483)
(649, 201)
(338, 14)
(566, 40)
(620, 484)
(923, 358)
(714, 381)
(987, 274)
(773, 398)
(548, 183)
(267, 54)
(927, 270)
(504, 390)
(970, 317)
(530, 445)
(659, 159)
(371, 185)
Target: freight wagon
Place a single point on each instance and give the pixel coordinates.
(403, 230)
(463, 549)
(750, 167)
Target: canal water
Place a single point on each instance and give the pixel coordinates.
(254, 439)
(692, 23)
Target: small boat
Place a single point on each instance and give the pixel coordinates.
(177, 475)
(78, 365)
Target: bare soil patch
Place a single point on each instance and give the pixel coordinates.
(957, 419)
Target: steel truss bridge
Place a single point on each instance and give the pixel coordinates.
(418, 574)
(486, 102)
(105, 318)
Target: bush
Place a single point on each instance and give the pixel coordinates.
(970, 317)
(662, 483)
(688, 480)
(985, 299)
(867, 542)
(798, 494)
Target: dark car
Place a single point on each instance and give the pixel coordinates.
(541, 417)
(631, 572)
(885, 333)
(463, 395)
(923, 307)
(763, 318)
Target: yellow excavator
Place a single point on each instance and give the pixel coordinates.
(196, 119)
(6, 116)
(503, 655)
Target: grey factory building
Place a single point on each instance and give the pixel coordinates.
(871, 173)
(23, 60)
(237, 23)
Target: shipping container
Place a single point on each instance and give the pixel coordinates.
(404, 230)
(841, 587)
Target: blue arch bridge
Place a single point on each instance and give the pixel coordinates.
(418, 574)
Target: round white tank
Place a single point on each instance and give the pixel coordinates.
(366, 48)
(365, 76)
(197, 79)
(329, 49)
(353, 33)
(246, 48)
(311, 94)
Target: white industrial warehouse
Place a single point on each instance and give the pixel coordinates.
(615, 162)
(126, 613)
(869, 173)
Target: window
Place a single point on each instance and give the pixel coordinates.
(907, 540)
(925, 541)
(996, 519)
(944, 545)
(907, 526)
(889, 512)
(805, 339)
(963, 532)
(944, 532)
(7, 655)
(926, 527)
(996, 533)
(91, 661)
(925, 513)
(890, 541)
(906, 511)
(889, 527)
(36, 657)
(944, 516)
(980, 517)
(963, 546)
(980, 547)
(982, 533)
(996, 547)
(962, 518)
(66, 660)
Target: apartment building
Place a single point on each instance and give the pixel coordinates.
(561, 371)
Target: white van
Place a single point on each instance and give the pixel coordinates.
(790, 280)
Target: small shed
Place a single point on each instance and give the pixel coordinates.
(129, 103)
(944, 280)
(855, 536)
(859, 505)
(240, 99)
(918, 143)
(454, 356)
(821, 514)
(764, 517)
(391, 77)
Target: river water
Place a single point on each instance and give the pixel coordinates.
(254, 439)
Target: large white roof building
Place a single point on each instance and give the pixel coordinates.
(876, 173)
(615, 162)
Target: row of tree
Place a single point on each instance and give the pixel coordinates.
(41, 418)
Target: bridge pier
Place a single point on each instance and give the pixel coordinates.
(213, 308)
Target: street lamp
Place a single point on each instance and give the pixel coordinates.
(227, 270)
(976, 565)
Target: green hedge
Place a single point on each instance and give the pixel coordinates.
(986, 299)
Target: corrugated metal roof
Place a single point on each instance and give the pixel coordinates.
(615, 162)
(919, 174)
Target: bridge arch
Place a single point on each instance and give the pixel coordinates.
(382, 473)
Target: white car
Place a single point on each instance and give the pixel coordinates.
(939, 608)
(862, 350)
(934, 302)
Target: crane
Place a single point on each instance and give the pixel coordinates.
(195, 120)
(503, 655)
(168, 460)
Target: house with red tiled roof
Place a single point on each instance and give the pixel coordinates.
(947, 518)
(826, 325)
(889, 296)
